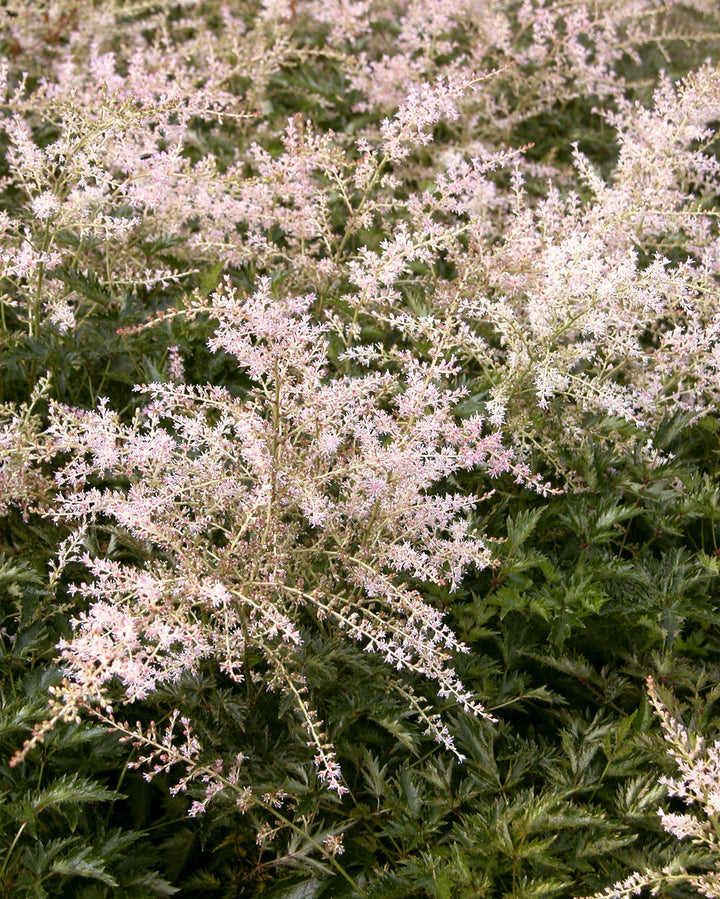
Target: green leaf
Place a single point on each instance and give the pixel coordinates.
(83, 864)
(71, 789)
(303, 889)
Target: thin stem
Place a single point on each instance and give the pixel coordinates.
(214, 774)
(12, 847)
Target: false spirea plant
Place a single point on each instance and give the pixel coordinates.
(23, 484)
(313, 500)
(581, 305)
(697, 785)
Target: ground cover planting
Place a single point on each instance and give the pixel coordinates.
(359, 449)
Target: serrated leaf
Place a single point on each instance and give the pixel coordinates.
(394, 726)
(374, 775)
(201, 880)
(151, 883)
(82, 864)
(209, 277)
(410, 791)
(304, 889)
(71, 789)
(522, 526)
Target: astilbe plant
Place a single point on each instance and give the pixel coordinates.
(129, 169)
(581, 306)
(112, 181)
(23, 483)
(697, 785)
(56, 833)
(109, 139)
(317, 493)
(551, 52)
(312, 500)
